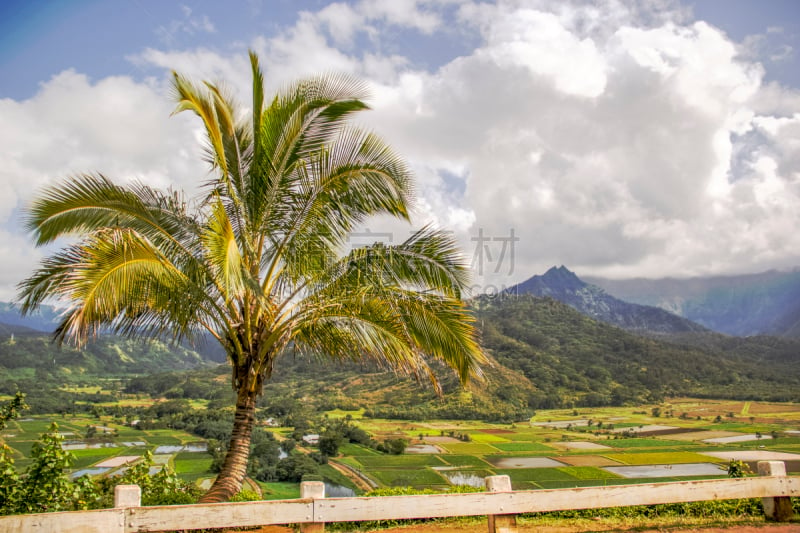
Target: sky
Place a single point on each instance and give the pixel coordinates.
(651, 138)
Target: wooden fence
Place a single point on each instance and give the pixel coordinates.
(500, 503)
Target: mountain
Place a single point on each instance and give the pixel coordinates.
(571, 358)
(106, 356)
(563, 285)
(542, 354)
(13, 329)
(44, 319)
(755, 304)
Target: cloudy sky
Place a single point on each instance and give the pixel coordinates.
(619, 138)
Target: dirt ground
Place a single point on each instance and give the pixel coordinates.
(793, 527)
(785, 528)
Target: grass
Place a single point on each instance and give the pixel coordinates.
(648, 443)
(161, 440)
(126, 433)
(400, 461)
(469, 448)
(536, 474)
(487, 437)
(588, 472)
(660, 458)
(522, 447)
(84, 458)
(36, 427)
(350, 461)
(464, 460)
(419, 477)
(357, 450)
(341, 413)
(280, 490)
(194, 468)
(334, 476)
(22, 446)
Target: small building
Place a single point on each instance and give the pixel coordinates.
(312, 439)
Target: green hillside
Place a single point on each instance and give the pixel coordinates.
(542, 354)
(572, 358)
(107, 356)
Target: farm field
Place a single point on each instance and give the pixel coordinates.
(680, 439)
(180, 450)
(585, 447)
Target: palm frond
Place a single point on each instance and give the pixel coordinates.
(222, 252)
(192, 98)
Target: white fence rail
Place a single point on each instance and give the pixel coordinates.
(500, 503)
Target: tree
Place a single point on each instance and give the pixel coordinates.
(258, 261)
(329, 443)
(11, 409)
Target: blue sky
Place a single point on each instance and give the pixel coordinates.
(650, 138)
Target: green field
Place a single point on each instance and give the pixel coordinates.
(575, 446)
(464, 460)
(400, 461)
(649, 443)
(356, 450)
(588, 472)
(535, 474)
(522, 447)
(408, 477)
(664, 458)
(486, 437)
(469, 448)
(84, 458)
(192, 463)
(280, 490)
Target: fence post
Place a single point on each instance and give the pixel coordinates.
(127, 496)
(500, 523)
(312, 490)
(777, 509)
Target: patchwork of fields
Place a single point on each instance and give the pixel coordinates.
(556, 449)
(603, 446)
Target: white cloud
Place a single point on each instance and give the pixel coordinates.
(416, 14)
(115, 126)
(629, 140)
(542, 44)
(170, 33)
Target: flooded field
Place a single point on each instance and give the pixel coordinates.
(738, 438)
(678, 470)
(471, 479)
(525, 462)
(423, 448)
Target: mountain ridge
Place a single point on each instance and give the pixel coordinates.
(591, 300)
(766, 303)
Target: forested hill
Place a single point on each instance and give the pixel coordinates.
(569, 356)
(107, 355)
(542, 354)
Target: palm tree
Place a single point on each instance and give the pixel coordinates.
(258, 261)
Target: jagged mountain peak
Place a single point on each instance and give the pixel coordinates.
(556, 280)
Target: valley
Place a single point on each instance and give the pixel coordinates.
(579, 390)
(683, 438)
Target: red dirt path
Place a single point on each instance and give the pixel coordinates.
(481, 528)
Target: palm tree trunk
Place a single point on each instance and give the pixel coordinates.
(234, 467)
